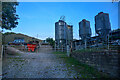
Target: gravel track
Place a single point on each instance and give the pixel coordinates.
(40, 64)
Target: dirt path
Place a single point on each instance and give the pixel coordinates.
(42, 64)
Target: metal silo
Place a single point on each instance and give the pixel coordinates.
(84, 30)
(102, 25)
(56, 31)
(70, 35)
(60, 34)
(70, 32)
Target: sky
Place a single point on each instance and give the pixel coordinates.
(37, 19)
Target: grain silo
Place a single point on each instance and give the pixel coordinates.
(70, 35)
(102, 25)
(84, 30)
(70, 32)
(60, 34)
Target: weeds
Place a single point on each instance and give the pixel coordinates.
(85, 70)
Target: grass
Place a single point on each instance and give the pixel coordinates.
(16, 59)
(85, 70)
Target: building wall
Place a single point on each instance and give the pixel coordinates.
(104, 61)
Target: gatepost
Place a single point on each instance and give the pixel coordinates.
(68, 51)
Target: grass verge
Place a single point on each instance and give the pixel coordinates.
(85, 70)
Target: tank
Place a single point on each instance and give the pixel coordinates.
(56, 31)
(84, 29)
(60, 30)
(102, 24)
(70, 32)
(60, 35)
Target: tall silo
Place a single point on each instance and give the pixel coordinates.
(60, 34)
(84, 30)
(70, 32)
(102, 25)
(70, 35)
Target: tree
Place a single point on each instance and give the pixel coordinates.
(7, 33)
(9, 16)
(50, 41)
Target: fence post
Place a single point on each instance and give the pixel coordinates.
(68, 51)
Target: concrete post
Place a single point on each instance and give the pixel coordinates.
(62, 48)
(58, 46)
(75, 45)
(55, 45)
(85, 43)
(66, 44)
(71, 47)
(68, 51)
